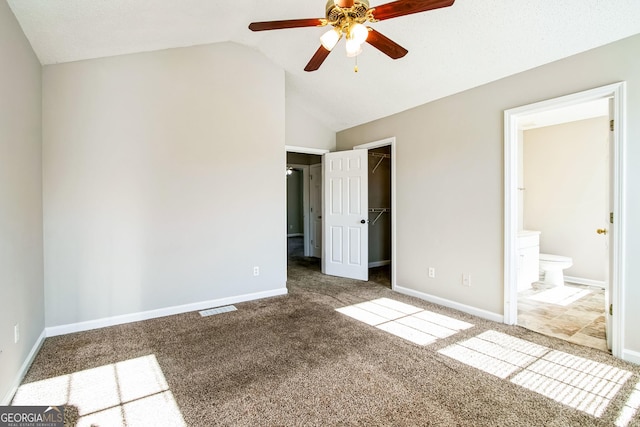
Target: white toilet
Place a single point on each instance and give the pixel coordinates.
(552, 265)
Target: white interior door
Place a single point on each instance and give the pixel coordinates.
(608, 230)
(315, 208)
(345, 214)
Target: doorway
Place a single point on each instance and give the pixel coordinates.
(519, 256)
(562, 201)
(302, 204)
(382, 211)
(381, 158)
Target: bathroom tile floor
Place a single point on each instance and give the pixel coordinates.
(574, 313)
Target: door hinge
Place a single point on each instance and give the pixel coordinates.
(611, 125)
(610, 309)
(611, 217)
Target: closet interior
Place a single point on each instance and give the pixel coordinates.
(380, 214)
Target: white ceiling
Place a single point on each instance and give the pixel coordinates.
(450, 50)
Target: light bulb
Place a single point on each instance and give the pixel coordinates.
(359, 33)
(353, 48)
(330, 38)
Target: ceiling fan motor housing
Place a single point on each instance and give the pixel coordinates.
(338, 16)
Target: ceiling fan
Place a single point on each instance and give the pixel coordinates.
(347, 17)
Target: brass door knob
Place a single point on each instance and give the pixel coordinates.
(601, 231)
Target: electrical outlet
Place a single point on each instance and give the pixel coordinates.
(16, 333)
(432, 272)
(256, 271)
(466, 279)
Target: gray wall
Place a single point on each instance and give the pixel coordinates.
(21, 264)
(158, 191)
(301, 128)
(450, 177)
(295, 224)
(566, 197)
(303, 159)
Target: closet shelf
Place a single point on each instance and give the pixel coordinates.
(382, 157)
(379, 211)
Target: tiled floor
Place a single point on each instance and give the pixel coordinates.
(574, 313)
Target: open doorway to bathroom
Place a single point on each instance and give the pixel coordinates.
(562, 176)
(562, 201)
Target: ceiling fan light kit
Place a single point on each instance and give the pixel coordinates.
(347, 17)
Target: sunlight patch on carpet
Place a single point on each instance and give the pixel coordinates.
(404, 320)
(495, 353)
(563, 295)
(217, 310)
(127, 393)
(630, 409)
(574, 381)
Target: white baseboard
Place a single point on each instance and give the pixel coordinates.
(6, 400)
(452, 304)
(379, 263)
(152, 314)
(631, 356)
(581, 281)
(295, 235)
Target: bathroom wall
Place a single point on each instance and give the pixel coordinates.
(565, 176)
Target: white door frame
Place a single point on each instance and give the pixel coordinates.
(306, 228)
(302, 150)
(617, 91)
(394, 213)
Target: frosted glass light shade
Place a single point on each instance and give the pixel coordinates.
(353, 48)
(359, 33)
(329, 39)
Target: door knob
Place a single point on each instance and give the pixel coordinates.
(601, 231)
(363, 221)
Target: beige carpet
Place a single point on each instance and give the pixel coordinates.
(294, 360)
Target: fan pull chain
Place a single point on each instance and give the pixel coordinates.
(355, 68)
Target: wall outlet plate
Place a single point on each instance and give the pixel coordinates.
(466, 279)
(432, 272)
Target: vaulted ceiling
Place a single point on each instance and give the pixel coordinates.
(452, 49)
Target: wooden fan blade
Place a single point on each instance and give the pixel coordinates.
(385, 45)
(317, 59)
(407, 7)
(290, 23)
